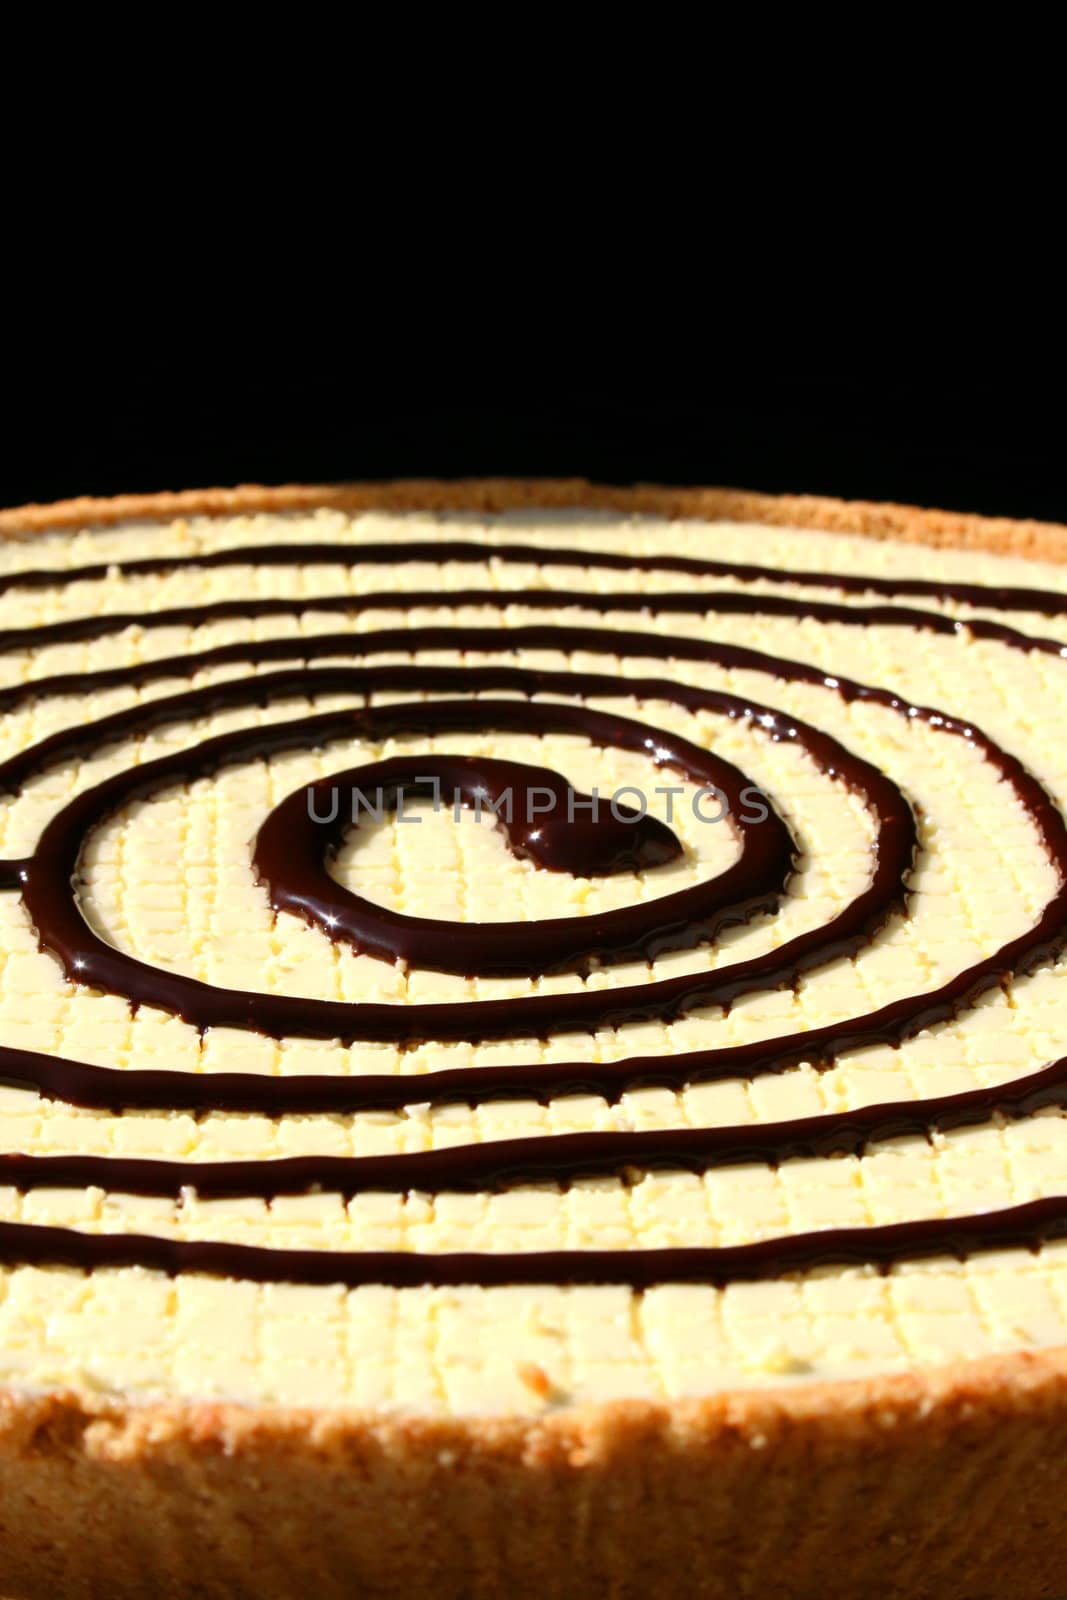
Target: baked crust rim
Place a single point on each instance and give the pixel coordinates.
(876, 519)
(827, 1426)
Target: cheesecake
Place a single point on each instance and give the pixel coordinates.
(532, 1055)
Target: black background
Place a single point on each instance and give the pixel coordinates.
(170, 419)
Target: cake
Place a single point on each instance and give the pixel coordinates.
(532, 1056)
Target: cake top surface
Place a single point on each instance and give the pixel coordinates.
(467, 962)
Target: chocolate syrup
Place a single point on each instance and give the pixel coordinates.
(1046, 602)
(544, 821)
(292, 853)
(48, 878)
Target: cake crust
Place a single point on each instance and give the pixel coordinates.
(1039, 541)
(946, 1483)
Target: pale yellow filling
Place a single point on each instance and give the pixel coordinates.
(170, 881)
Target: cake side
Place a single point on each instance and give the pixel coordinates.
(636, 1458)
(939, 1486)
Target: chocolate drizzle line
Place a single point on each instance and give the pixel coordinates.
(298, 881)
(556, 1158)
(1025, 1227)
(1046, 602)
(542, 821)
(75, 630)
(48, 877)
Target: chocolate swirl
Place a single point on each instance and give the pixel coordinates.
(293, 849)
(48, 877)
(543, 821)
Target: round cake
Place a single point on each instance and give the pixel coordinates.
(532, 1057)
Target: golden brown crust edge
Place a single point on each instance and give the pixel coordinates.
(962, 530)
(945, 1482)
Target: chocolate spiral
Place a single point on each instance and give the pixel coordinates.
(292, 851)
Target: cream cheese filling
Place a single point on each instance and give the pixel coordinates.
(170, 882)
